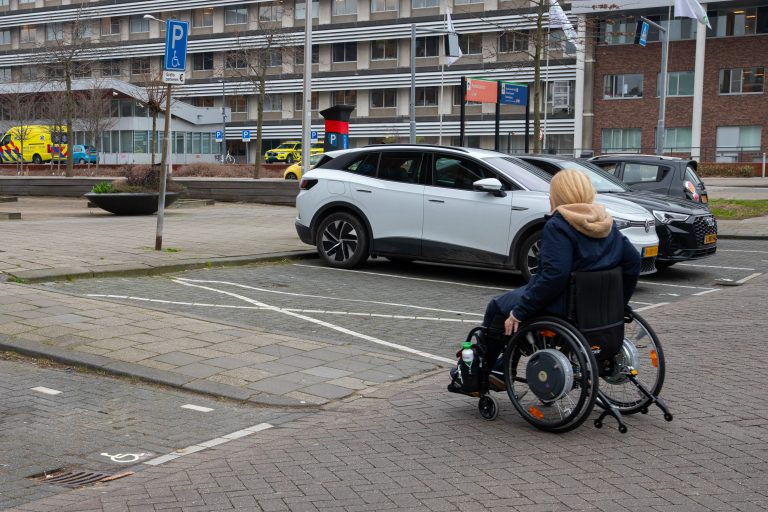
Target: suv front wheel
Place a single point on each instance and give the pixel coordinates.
(529, 256)
(342, 241)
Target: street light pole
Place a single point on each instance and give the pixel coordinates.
(306, 125)
(660, 135)
(223, 124)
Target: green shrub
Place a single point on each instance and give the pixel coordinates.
(725, 170)
(103, 187)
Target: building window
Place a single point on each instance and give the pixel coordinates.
(471, 44)
(202, 61)
(298, 101)
(110, 27)
(385, 49)
(273, 103)
(424, 4)
(202, 17)
(738, 21)
(27, 34)
(742, 80)
(383, 98)
(384, 5)
(110, 67)
(234, 60)
(235, 15)
(344, 98)
(679, 83)
(299, 54)
(274, 58)
(54, 31)
(270, 12)
(426, 96)
(622, 86)
(82, 70)
(238, 103)
(465, 2)
(738, 138)
(344, 52)
(677, 140)
(300, 10)
(344, 7)
(54, 72)
(85, 29)
(427, 47)
(139, 25)
(621, 140)
(5, 74)
(5, 37)
(140, 66)
(513, 42)
(28, 73)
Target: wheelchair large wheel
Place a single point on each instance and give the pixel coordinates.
(642, 351)
(551, 374)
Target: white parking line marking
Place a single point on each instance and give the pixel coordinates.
(47, 391)
(404, 277)
(707, 291)
(676, 285)
(207, 444)
(712, 266)
(646, 308)
(198, 408)
(742, 281)
(190, 282)
(742, 250)
(323, 297)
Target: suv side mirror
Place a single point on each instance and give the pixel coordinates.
(490, 185)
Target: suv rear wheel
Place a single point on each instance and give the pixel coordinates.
(342, 241)
(528, 262)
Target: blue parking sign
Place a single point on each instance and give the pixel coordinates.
(176, 33)
(246, 136)
(313, 136)
(218, 136)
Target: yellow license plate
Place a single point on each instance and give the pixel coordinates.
(710, 239)
(651, 251)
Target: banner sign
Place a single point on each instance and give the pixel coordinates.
(482, 91)
(513, 94)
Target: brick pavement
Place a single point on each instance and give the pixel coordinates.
(413, 446)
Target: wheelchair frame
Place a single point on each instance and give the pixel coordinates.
(563, 376)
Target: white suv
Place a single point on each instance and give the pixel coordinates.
(447, 204)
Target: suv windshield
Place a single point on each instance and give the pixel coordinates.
(533, 179)
(287, 145)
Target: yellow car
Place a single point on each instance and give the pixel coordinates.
(290, 152)
(294, 172)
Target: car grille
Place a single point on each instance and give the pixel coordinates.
(648, 265)
(702, 227)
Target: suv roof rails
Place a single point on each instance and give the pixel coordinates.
(465, 150)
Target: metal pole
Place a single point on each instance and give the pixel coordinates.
(528, 124)
(166, 171)
(306, 125)
(497, 135)
(412, 107)
(440, 105)
(660, 135)
(546, 93)
(462, 111)
(223, 125)
(698, 90)
(763, 165)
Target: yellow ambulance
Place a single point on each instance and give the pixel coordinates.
(33, 143)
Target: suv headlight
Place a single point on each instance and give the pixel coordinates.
(621, 223)
(667, 217)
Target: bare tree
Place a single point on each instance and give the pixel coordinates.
(156, 90)
(64, 57)
(96, 114)
(252, 59)
(55, 123)
(20, 107)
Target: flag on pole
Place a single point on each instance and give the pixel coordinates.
(691, 9)
(557, 18)
(449, 27)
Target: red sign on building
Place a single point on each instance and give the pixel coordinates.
(482, 91)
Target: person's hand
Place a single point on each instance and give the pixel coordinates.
(511, 324)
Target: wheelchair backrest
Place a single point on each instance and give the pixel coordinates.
(596, 305)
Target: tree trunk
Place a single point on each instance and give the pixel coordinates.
(153, 138)
(538, 43)
(68, 110)
(259, 121)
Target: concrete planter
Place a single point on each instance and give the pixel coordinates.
(130, 203)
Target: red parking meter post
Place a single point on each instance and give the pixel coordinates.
(336, 127)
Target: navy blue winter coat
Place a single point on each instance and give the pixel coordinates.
(565, 250)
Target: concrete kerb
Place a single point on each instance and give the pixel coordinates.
(64, 274)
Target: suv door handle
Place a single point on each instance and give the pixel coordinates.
(365, 190)
(435, 200)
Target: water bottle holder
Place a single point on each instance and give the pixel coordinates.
(470, 374)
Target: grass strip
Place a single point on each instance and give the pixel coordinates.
(737, 209)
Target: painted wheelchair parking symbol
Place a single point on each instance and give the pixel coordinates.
(125, 458)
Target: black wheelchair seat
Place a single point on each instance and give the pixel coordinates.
(596, 307)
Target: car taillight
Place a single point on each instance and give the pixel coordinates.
(691, 190)
(307, 183)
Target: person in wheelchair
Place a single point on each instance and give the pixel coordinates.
(579, 236)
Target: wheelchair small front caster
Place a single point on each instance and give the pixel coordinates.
(644, 410)
(668, 416)
(598, 424)
(488, 407)
(623, 429)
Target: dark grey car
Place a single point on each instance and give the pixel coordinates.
(667, 175)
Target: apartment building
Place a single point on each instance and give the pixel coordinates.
(361, 54)
(727, 120)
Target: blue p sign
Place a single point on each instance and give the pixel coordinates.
(218, 135)
(176, 33)
(333, 140)
(246, 136)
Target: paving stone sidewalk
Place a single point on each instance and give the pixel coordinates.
(413, 446)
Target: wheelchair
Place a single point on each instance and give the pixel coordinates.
(557, 369)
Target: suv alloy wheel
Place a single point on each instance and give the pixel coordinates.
(342, 240)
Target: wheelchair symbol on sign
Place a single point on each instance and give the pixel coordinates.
(124, 458)
(175, 61)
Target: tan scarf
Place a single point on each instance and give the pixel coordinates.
(588, 219)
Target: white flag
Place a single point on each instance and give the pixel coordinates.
(557, 18)
(449, 27)
(691, 9)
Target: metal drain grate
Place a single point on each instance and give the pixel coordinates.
(73, 478)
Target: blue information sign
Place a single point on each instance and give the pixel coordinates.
(218, 136)
(313, 136)
(246, 136)
(513, 94)
(644, 33)
(176, 33)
